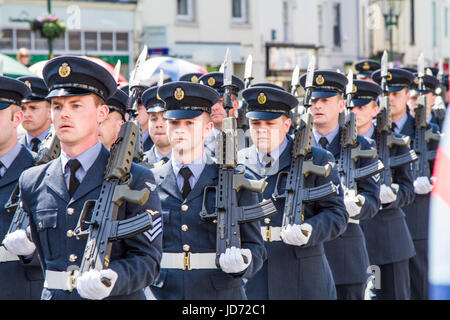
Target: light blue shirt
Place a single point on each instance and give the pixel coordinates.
(145, 135)
(159, 155)
(86, 160)
(329, 136)
(275, 154)
(8, 158)
(41, 138)
(196, 167)
(400, 123)
(369, 132)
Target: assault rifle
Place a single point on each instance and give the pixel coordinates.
(351, 150)
(296, 194)
(227, 212)
(385, 137)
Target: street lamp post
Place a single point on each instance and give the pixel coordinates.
(391, 12)
(50, 40)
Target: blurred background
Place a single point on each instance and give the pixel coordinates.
(279, 34)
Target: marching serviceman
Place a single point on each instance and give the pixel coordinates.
(365, 69)
(53, 194)
(188, 266)
(388, 238)
(142, 117)
(36, 113)
(215, 81)
(417, 212)
(17, 281)
(157, 127)
(109, 129)
(296, 265)
(347, 254)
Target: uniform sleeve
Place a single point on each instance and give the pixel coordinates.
(37, 258)
(140, 265)
(369, 188)
(403, 176)
(251, 236)
(330, 216)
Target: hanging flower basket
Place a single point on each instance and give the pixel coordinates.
(49, 26)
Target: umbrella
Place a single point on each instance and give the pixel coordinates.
(13, 68)
(172, 67)
(37, 68)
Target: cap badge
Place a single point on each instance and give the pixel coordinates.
(28, 83)
(211, 81)
(320, 80)
(179, 94)
(194, 79)
(355, 88)
(262, 98)
(64, 70)
(389, 76)
(416, 80)
(366, 66)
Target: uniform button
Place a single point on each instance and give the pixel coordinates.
(73, 258)
(186, 247)
(184, 227)
(267, 220)
(215, 221)
(69, 233)
(184, 207)
(70, 211)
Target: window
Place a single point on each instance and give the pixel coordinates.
(337, 25)
(239, 11)
(185, 10)
(106, 41)
(6, 39)
(90, 40)
(74, 40)
(23, 38)
(122, 41)
(40, 43)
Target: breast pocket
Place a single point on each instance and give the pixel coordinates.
(46, 223)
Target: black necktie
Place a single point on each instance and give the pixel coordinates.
(35, 142)
(165, 159)
(186, 173)
(74, 165)
(1, 166)
(394, 126)
(267, 159)
(323, 142)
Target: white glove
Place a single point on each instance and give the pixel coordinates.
(232, 261)
(18, 243)
(296, 234)
(353, 204)
(388, 194)
(422, 185)
(90, 286)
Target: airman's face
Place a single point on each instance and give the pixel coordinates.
(157, 127)
(76, 118)
(187, 135)
(36, 116)
(326, 110)
(267, 135)
(109, 129)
